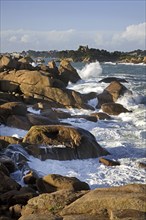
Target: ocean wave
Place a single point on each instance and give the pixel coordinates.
(91, 70)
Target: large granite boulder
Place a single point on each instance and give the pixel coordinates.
(10, 109)
(111, 93)
(123, 202)
(7, 62)
(67, 73)
(63, 142)
(54, 182)
(114, 108)
(37, 85)
(46, 206)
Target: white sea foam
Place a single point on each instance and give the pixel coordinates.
(91, 70)
(133, 64)
(110, 63)
(32, 110)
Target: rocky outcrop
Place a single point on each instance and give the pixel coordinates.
(55, 182)
(101, 116)
(10, 63)
(114, 108)
(7, 62)
(7, 184)
(111, 93)
(108, 162)
(48, 205)
(124, 202)
(37, 85)
(69, 142)
(67, 72)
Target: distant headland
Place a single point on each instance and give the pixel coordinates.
(86, 54)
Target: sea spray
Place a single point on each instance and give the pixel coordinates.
(91, 70)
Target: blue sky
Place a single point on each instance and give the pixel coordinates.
(46, 25)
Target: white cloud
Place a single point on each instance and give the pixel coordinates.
(24, 38)
(133, 37)
(135, 32)
(13, 39)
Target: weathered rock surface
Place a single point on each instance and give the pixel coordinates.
(55, 182)
(50, 203)
(109, 162)
(111, 93)
(67, 72)
(124, 202)
(6, 140)
(78, 143)
(7, 62)
(101, 116)
(113, 108)
(37, 85)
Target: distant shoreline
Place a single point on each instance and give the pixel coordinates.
(86, 55)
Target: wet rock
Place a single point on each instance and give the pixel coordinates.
(54, 182)
(101, 116)
(89, 96)
(76, 143)
(41, 120)
(18, 121)
(142, 165)
(30, 177)
(22, 198)
(8, 163)
(16, 196)
(4, 169)
(87, 117)
(67, 72)
(111, 79)
(113, 108)
(13, 108)
(10, 109)
(6, 140)
(15, 211)
(109, 162)
(7, 183)
(111, 93)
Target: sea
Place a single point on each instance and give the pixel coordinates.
(124, 136)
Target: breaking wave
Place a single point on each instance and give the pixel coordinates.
(91, 70)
